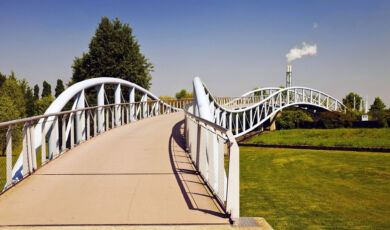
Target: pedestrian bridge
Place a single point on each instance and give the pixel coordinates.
(118, 161)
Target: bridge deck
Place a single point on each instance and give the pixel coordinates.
(134, 174)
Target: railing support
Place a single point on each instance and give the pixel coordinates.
(9, 155)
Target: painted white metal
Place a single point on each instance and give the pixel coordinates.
(80, 118)
(100, 114)
(117, 112)
(77, 90)
(276, 100)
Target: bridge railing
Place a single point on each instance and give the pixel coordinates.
(246, 117)
(208, 144)
(62, 131)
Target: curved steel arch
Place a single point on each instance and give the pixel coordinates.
(76, 92)
(250, 97)
(247, 118)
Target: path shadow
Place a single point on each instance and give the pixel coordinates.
(177, 156)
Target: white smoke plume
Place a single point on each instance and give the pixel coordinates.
(297, 53)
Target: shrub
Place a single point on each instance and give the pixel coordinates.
(331, 120)
(292, 119)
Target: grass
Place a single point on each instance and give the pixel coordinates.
(315, 189)
(327, 137)
(15, 155)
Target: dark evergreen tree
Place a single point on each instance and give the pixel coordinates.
(2, 79)
(46, 90)
(378, 105)
(59, 88)
(30, 105)
(113, 52)
(36, 92)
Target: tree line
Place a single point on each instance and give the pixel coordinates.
(19, 100)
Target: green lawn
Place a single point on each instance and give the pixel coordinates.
(327, 137)
(15, 155)
(315, 189)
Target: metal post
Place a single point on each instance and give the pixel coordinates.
(32, 147)
(144, 105)
(100, 114)
(88, 125)
(53, 138)
(95, 122)
(230, 121)
(233, 190)
(63, 133)
(244, 121)
(212, 159)
(193, 139)
(131, 101)
(122, 115)
(107, 118)
(117, 107)
(221, 191)
(201, 159)
(80, 118)
(236, 127)
(9, 156)
(71, 131)
(26, 167)
(112, 117)
(43, 142)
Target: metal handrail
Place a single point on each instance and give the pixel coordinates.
(58, 135)
(205, 143)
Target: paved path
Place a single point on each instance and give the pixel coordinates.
(132, 175)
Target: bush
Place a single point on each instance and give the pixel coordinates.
(383, 117)
(331, 120)
(368, 124)
(293, 119)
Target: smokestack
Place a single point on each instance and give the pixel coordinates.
(288, 76)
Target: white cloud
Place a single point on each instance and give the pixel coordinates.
(297, 53)
(315, 25)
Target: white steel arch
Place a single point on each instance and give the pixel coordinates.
(49, 126)
(252, 111)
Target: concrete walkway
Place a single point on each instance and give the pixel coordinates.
(137, 174)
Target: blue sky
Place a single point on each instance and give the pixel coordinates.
(233, 46)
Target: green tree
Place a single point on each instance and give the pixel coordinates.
(42, 104)
(2, 79)
(30, 102)
(352, 99)
(183, 94)
(12, 107)
(46, 90)
(113, 52)
(59, 88)
(291, 119)
(378, 105)
(36, 92)
(14, 89)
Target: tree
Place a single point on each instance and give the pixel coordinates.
(113, 52)
(36, 92)
(183, 94)
(352, 100)
(378, 105)
(12, 107)
(42, 104)
(59, 88)
(30, 102)
(292, 119)
(2, 79)
(46, 90)
(12, 88)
